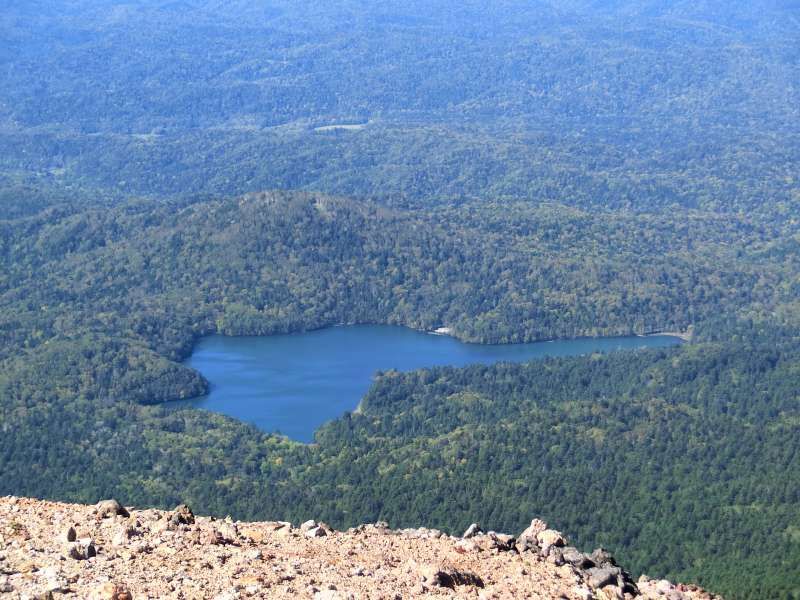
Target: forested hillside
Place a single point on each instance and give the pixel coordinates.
(685, 461)
(99, 304)
(512, 170)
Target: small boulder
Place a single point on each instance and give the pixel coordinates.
(182, 515)
(577, 559)
(472, 531)
(554, 555)
(527, 540)
(503, 542)
(315, 532)
(72, 535)
(82, 549)
(211, 537)
(603, 558)
(550, 537)
(110, 508)
(611, 592)
(600, 577)
(310, 524)
(229, 532)
(605, 564)
(450, 578)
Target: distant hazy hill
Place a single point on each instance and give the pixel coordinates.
(592, 103)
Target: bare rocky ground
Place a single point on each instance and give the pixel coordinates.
(55, 550)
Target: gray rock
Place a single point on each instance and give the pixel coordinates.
(577, 559)
(604, 561)
(600, 577)
(472, 531)
(110, 508)
(602, 558)
(625, 581)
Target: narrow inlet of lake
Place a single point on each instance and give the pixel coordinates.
(294, 383)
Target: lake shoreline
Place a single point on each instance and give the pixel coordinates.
(295, 382)
(685, 336)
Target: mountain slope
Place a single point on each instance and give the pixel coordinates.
(155, 554)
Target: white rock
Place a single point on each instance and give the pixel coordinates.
(316, 532)
(310, 524)
(472, 531)
(583, 593)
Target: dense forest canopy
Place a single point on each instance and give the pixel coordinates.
(100, 304)
(513, 170)
(603, 104)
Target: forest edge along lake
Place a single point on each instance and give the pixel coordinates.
(294, 383)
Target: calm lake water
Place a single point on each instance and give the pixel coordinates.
(295, 383)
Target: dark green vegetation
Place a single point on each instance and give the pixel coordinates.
(685, 461)
(524, 171)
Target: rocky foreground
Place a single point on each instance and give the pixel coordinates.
(54, 550)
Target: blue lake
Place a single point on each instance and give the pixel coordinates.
(295, 383)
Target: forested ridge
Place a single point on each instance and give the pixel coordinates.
(512, 170)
